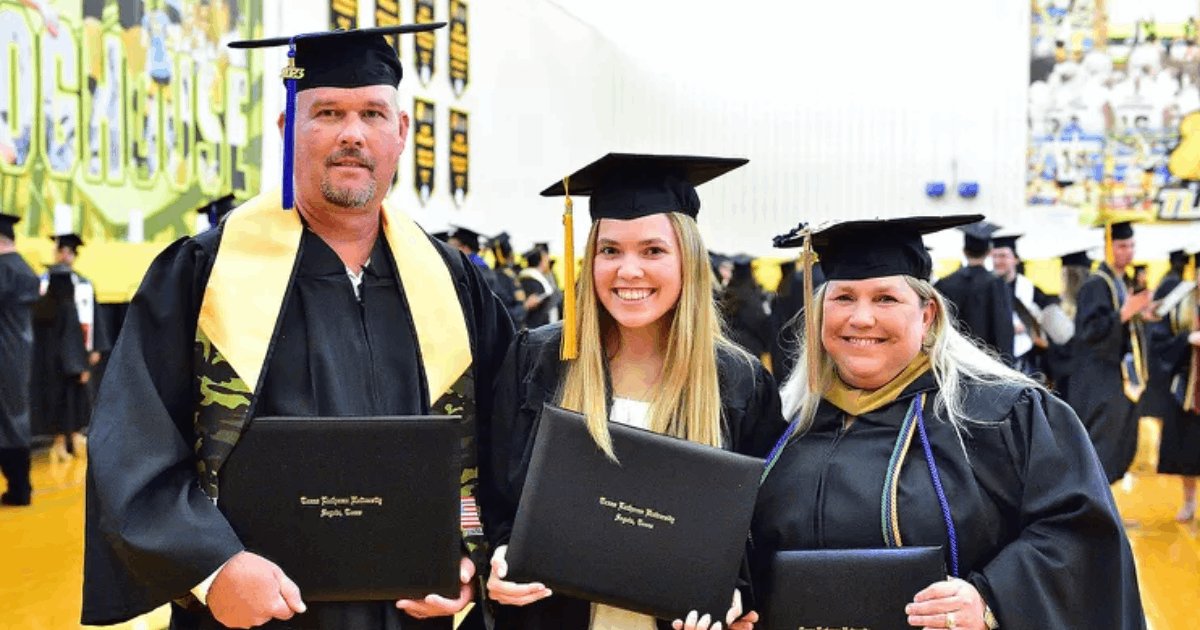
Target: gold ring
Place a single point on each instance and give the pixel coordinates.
(950, 620)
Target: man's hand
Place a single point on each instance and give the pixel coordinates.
(438, 606)
(1136, 303)
(250, 591)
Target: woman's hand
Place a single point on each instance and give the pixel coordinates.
(438, 606)
(952, 603)
(734, 619)
(1194, 338)
(511, 593)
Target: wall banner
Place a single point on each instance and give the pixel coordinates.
(460, 152)
(424, 145)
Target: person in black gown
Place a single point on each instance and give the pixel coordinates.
(891, 406)
(1156, 401)
(786, 306)
(1174, 343)
(1109, 340)
(982, 304)
(340, 307)
(18, 292)
(645, 280)
(743, 307)
(61, 401)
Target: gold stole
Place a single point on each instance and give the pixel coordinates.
(244, 298)
(856, 402)
(1133, 377)
(1186, 319)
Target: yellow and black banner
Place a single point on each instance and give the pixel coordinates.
(387, 13)
(460, 52)
(423, 43)
(424, 154)
(343, 14)
(460, 157)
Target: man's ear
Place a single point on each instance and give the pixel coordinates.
(404, 124)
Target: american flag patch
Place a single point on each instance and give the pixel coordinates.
(469, 516)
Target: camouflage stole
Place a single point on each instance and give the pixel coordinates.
(244, 300)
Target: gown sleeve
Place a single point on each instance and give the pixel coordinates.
(1071, 565)
(1002, 315)
(151, 532)
(1095, 317)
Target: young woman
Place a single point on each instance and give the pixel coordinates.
(650, 354)
(904, 433)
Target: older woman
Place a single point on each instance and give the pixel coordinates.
(650, 354)
(891, 406)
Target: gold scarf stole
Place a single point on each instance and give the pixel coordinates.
(857, 402)
(255, 263)
(1133, 377)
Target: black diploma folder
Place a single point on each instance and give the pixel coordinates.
(662, 533)
(352, 509)
(849, 588)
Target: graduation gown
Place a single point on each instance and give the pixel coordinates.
(511, 295)
(1038, 533)
(152, 533)
(747, 320)
(533, 282)
(1157, 401)
(60, 404)
(18, 292)
(1028, 358)
(982, 307)
(1179, 445)
(530, 377)
(1100, 342)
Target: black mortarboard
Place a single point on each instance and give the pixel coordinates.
(1122, 230)
(874, 248)
(339, 59)
(1006, 240)
(1178, 258)
(542, 245)
(7, 221)
(217, 209)
(977, 237)
(466, 236)
(1076, 259)
(629, 186)
(71, 241)
(741, 260)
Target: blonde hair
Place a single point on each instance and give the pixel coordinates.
(1073, 278)
(687, 401)
(953, 358)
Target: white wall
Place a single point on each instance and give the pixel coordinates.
(844, 109)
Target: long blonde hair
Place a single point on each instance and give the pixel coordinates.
(687, 401)
(953, 359)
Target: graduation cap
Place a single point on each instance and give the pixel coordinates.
(7, 223)
(1178, 257)
(70, 241)
(501, 247)
(340, 59)
(466, 236)
(627, 186)
(977, 237)
(873, 248)
(1006, 239)
(859, 250)
(215, 210)
(1117, 227)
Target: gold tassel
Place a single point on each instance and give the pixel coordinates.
(570, 339)
(812, 336)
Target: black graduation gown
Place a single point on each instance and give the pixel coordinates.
(540, 314)
(60, 404)
(747, 320)
(982, 307)
(1179, 445)
(1038, 533)
(18, 292)
(1156, 400)
(530, 377)
(1033, 362)
(152, 534)
(510, 294)
(1100, 342)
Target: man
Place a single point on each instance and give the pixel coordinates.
(542, 297)
(66, 252)
(1028, 302)
(340, 307)
(1157, 401)
(982, 305)
(1109, 345)
(18, 292)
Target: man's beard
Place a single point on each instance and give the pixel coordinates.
(347, 197)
